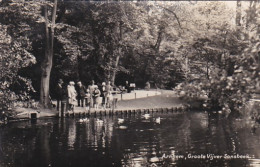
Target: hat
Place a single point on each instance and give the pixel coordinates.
(72, 83)
(103, 83)
(79, 83)
(60, 81)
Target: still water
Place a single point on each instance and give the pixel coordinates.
(163, 139)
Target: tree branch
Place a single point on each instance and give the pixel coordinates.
(175, 15)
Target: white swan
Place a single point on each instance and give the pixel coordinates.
(83, 120)
(158, 120)
(120, 120)
(122, 127)
(146, 116)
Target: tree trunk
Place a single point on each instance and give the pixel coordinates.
(238, 13)
(186, 66)
(47, 62)
(113, 76)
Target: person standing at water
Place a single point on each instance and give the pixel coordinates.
(72, 94)
(64, 101)
(127, 87)
(87, 99)
(91, 91)
(103, 93)
(81, 90)
(147, 86)
(109, 90)
(96, 97)
(59, 91)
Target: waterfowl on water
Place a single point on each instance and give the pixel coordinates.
(122, 127)
(146, 116)
(83, 120)
(158, 120)
(120, 120)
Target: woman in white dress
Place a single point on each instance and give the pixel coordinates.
(72, 94)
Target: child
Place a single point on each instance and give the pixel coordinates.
(87, 99)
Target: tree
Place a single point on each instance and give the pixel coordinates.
(47, 62)
(16, 49)
(231, 61)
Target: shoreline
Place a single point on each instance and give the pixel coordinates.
(139, 101)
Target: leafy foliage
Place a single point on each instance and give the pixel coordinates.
(15, 54)
(232, 67)
(166, 43)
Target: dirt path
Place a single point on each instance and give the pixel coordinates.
(165, 100)
(144, 100)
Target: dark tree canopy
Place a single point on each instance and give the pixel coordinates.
(206, 46)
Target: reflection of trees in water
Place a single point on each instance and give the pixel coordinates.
(231, 136)
(142, 143)
(146, 141)
(175, 134)
(178, 134)
(23, 141)
(222, 136)
(248, 141)
(195, 133)
(106, 132)
(216, 136)
(71, 134)
(99, 134)
(133, 145)
(13, 146)
(179, 140)
(59, 139)
(183, 133)
(43, 143)
(89, 134)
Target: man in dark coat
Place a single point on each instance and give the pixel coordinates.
(59, 93)
(103, 94)
(127, 87)
(81, 91)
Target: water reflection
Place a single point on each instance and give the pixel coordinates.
(132, 140)
(72, 135)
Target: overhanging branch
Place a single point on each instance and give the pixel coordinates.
(175, 15)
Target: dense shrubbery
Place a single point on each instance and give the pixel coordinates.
(226, 93)
(15, 54)
(232, 66)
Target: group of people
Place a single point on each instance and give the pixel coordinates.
(92, 96)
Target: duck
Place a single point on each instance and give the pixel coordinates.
(158, 120)
(83, 120)
(146, 116)
(120, 120)
(122, 127)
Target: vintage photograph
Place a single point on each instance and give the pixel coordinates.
(129, 83)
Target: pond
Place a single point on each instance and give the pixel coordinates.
(163, 139)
